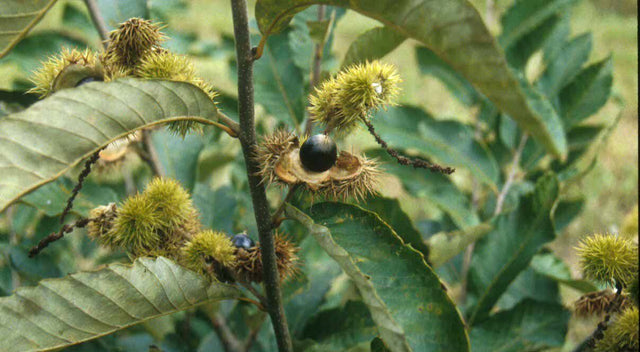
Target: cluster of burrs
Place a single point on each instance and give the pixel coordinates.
(133, 50)
(162, 221)
(612, 260)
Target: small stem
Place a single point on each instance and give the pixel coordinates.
(245, 57)
(230, 342)
(317, 68)
(232, 127)
(97, 19)
(85, 172)
(512, 175)
(403, 160)
(56, 236)
(276, 215)
(150, 154)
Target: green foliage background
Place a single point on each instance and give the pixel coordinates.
(203, 30)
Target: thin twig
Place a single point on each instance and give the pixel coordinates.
(317, 68)
(230, 342)
(403, 160)
(85, 172)
(56, 236)
(150, 154)
(98, 21)
(512, 175)
(244, 56)
(230, 124)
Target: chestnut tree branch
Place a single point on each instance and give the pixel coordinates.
(97, 19)
(248, 141)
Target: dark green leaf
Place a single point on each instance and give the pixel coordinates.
(456, 33)
(549, 265)
(319, 272)
(389, 211)
(530, 326)
(502, 254)
(377, 345)
(566, 212)
(41, 143)
(529, 284)
(565, 64)
(518, 53)
(84, 306)
(406, 299)
(279, 84)
(339, 329)
(217, 208)
(431, 64)
(446, 141)
(178, 156)
(524, 16)
(587, 92)
(17, 18)
(372, 44)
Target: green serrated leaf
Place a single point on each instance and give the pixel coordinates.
(406, 299)
(17, 17)
(39, 144)
(389, 211)
(507, 250)
(456, 33)
(530, 326)
(587, 92)
(84, 306)
(372, 44)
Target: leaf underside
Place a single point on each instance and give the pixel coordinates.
(80, 307)
(39, 144)
(17, 17)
